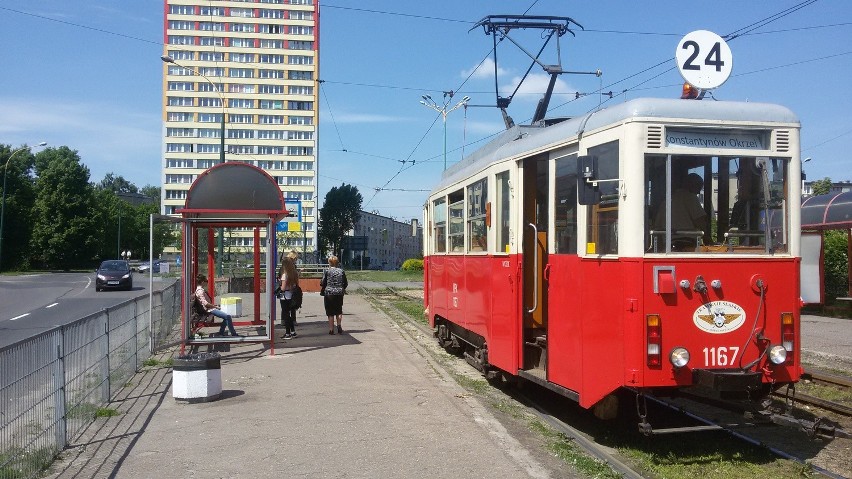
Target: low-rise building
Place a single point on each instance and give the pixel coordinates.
(381, 242)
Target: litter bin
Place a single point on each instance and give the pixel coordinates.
(197, 377)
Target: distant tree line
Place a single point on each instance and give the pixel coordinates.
(56, 219)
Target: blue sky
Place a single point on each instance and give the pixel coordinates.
(379, 56)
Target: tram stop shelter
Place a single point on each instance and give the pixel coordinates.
(240, 198)
(821, 213)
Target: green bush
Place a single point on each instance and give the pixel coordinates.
(836, 274)
(412, 265)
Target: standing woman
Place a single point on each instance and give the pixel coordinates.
(288, 278)
(333, 285)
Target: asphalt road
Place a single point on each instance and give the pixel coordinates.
(31, 304)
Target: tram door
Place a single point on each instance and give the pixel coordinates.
(534, 213)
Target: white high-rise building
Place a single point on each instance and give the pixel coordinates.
(253, 63)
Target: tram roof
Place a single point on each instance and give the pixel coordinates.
(827, 212)
(523, 140)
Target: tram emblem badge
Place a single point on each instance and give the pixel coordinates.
(719, 317)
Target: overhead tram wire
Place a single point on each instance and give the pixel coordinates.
(330, 112)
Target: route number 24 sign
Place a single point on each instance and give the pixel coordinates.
(704, 59)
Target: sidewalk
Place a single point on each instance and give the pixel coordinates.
(367, 403)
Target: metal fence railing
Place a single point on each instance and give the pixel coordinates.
(53, 384)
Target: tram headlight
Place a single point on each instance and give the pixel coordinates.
(679, 357)
(777, 354)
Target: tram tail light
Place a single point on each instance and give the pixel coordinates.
(787, 333)
(654, 339)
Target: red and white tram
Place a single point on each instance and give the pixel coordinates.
(562, 253)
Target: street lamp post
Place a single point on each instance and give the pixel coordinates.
(442, 109)
(218, 90)
(3, 208)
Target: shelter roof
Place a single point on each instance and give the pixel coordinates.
(234, 190)
(827, 212)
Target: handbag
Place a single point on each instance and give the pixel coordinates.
(278, 293)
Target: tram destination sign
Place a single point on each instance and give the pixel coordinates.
(714, 139)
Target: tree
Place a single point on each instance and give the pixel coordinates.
(62, 217)
(116, 184)
(19, 203)
(340, 211)
(822, 187)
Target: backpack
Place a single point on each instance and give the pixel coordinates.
(296, 300)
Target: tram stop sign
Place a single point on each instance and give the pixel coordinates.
(704, 59)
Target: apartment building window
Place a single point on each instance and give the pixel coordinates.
(270, 134)
(269, 13)
(181, 25)
(278, 44)
(182, 9)
(180, 132)
(300, 180)
(300, 60)
(241, 149)
(175, 163)
(240, 102)
(208, 87)
(240, 133)
(300, 30)
(301, 120)
(209, 133)
(211, 56)
(208, 148)
(212, 11)
(242, 12)
(212, 41)
(170, 210)
(211, 26)
(179, 147)
(241, 88)
(300, 135)
(180, 101)
(179, 116)
(268, 58)
(271, 1)
(301, 2)
(301, 15)
(269, 28)
(242, 57)
(175, 194)
(204, 164)
(300, 150)
(272, 104)
(300, 45)
(209, 117)
(210, 102)
(243, 27)
(300, 165)
(264, 73)
(181, 40)
(271, 119)
(272, 89)
(241, 118)
(270, 165)
(300, 75)
(179, 179)
(270, 150)
(300, 105)
(178, 71)
(181, 55)
(241, 73)
(181, 86)
(211, 71)
(300, 90)
(242, 42)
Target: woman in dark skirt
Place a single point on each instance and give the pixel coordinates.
(333, 286)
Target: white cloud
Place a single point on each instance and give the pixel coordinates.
(483, 71)
(534, 86)
(362, 118)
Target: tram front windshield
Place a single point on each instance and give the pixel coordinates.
(709, 204)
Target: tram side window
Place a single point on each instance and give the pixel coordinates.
(503, 210)
(456, 226)
(602, 227)
(565, 205)
(439, 233)
(477, 197)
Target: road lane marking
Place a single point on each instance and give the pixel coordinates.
(19, 317)
(50, 305)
